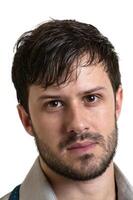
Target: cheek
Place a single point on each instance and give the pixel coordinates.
(106, 119)
(48, 126)
(48, 131)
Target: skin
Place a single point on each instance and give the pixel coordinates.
(84, 104)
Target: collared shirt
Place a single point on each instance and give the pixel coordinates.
(124, 189)
(37, 187)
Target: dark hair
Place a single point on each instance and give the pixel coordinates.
(45, 55)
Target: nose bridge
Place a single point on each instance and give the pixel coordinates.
(76, 119)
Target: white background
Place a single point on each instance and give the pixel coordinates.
(114, 19)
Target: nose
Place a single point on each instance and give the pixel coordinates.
(76, 120)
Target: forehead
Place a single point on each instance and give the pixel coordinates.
(83, 78)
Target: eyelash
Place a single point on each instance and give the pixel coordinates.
(54, 101)
(97, 98)
(87, 99)
(49, 106)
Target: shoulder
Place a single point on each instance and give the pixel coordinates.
(125, 190)
(6, 197)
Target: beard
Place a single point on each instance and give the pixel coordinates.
(91, 166)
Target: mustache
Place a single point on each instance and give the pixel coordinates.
(74, 137)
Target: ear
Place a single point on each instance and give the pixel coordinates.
(25, 119)
(119, 98)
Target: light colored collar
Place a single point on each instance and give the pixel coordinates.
(124, 189)
(37, 187)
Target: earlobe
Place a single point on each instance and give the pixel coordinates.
(119, 98)
(25, 119)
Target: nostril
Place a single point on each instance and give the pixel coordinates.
(78, 132)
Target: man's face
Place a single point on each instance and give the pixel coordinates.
(74, 124)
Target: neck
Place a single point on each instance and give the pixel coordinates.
(100, 188)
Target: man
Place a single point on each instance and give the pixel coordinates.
(68, 84)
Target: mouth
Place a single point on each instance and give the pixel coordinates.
(81, 147)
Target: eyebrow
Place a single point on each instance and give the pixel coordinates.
(94, 90)
(90, 91)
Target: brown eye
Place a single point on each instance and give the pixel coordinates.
(54, 104)
(91, 98)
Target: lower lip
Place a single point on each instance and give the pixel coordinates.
(82, 149)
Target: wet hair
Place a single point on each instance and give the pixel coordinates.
(44, 55)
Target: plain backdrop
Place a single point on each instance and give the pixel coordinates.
(114, 19)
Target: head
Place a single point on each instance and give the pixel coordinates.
(68, 85)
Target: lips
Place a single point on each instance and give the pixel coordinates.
(80, 146)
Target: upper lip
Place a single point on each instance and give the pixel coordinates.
(80, 145)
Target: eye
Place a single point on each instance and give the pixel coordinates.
(91, 99)
(53, 105)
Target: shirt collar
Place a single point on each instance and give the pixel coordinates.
(124, 189)
(36, 185)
